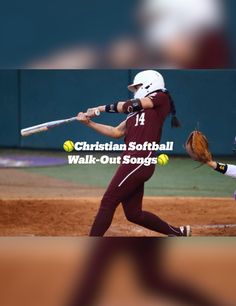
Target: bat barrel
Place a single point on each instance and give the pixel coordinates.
(44, 126)
(48, 125)
(32, 130)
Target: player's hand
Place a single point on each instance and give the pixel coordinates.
(83, 118)
(91, 112)
(212, 164)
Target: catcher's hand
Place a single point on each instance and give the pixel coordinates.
(197, 147)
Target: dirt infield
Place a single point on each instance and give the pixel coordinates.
(34, 205)
(73, 217)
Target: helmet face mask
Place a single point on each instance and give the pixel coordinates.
(146, 82)
(136, 88)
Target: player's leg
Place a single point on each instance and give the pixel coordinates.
(132, 206)
(149, 259)
(125, 182)
(91, 277)
(105, 214)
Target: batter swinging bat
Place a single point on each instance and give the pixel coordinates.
(48, 125)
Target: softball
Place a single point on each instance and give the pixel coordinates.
(163, 159)
(68, 146)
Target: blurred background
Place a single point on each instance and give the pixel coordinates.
(117, 272)
(117, 34)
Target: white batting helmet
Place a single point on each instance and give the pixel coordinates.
(146, 82)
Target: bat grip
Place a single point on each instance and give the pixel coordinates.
(96, 112)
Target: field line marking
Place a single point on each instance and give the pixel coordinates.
(213, 226)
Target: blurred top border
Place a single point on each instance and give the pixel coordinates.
(85, 34)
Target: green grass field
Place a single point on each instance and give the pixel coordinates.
(179, 178)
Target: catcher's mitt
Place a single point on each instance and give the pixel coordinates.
(197, 147)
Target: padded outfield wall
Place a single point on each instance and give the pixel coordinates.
(203, 98)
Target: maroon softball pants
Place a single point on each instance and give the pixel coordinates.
(127, 188)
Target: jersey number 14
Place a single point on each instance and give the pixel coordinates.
(140, 119)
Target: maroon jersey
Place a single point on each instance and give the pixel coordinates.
(146, 125)
(213, 53)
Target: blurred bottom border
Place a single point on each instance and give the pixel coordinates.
(117, 271)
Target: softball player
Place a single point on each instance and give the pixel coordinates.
(146, 114)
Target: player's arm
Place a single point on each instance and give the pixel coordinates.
(134, 105)
(130, 106)
(229, 170)
(107, 130)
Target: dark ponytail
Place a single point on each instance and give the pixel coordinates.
(174, 120)
(175, 123)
